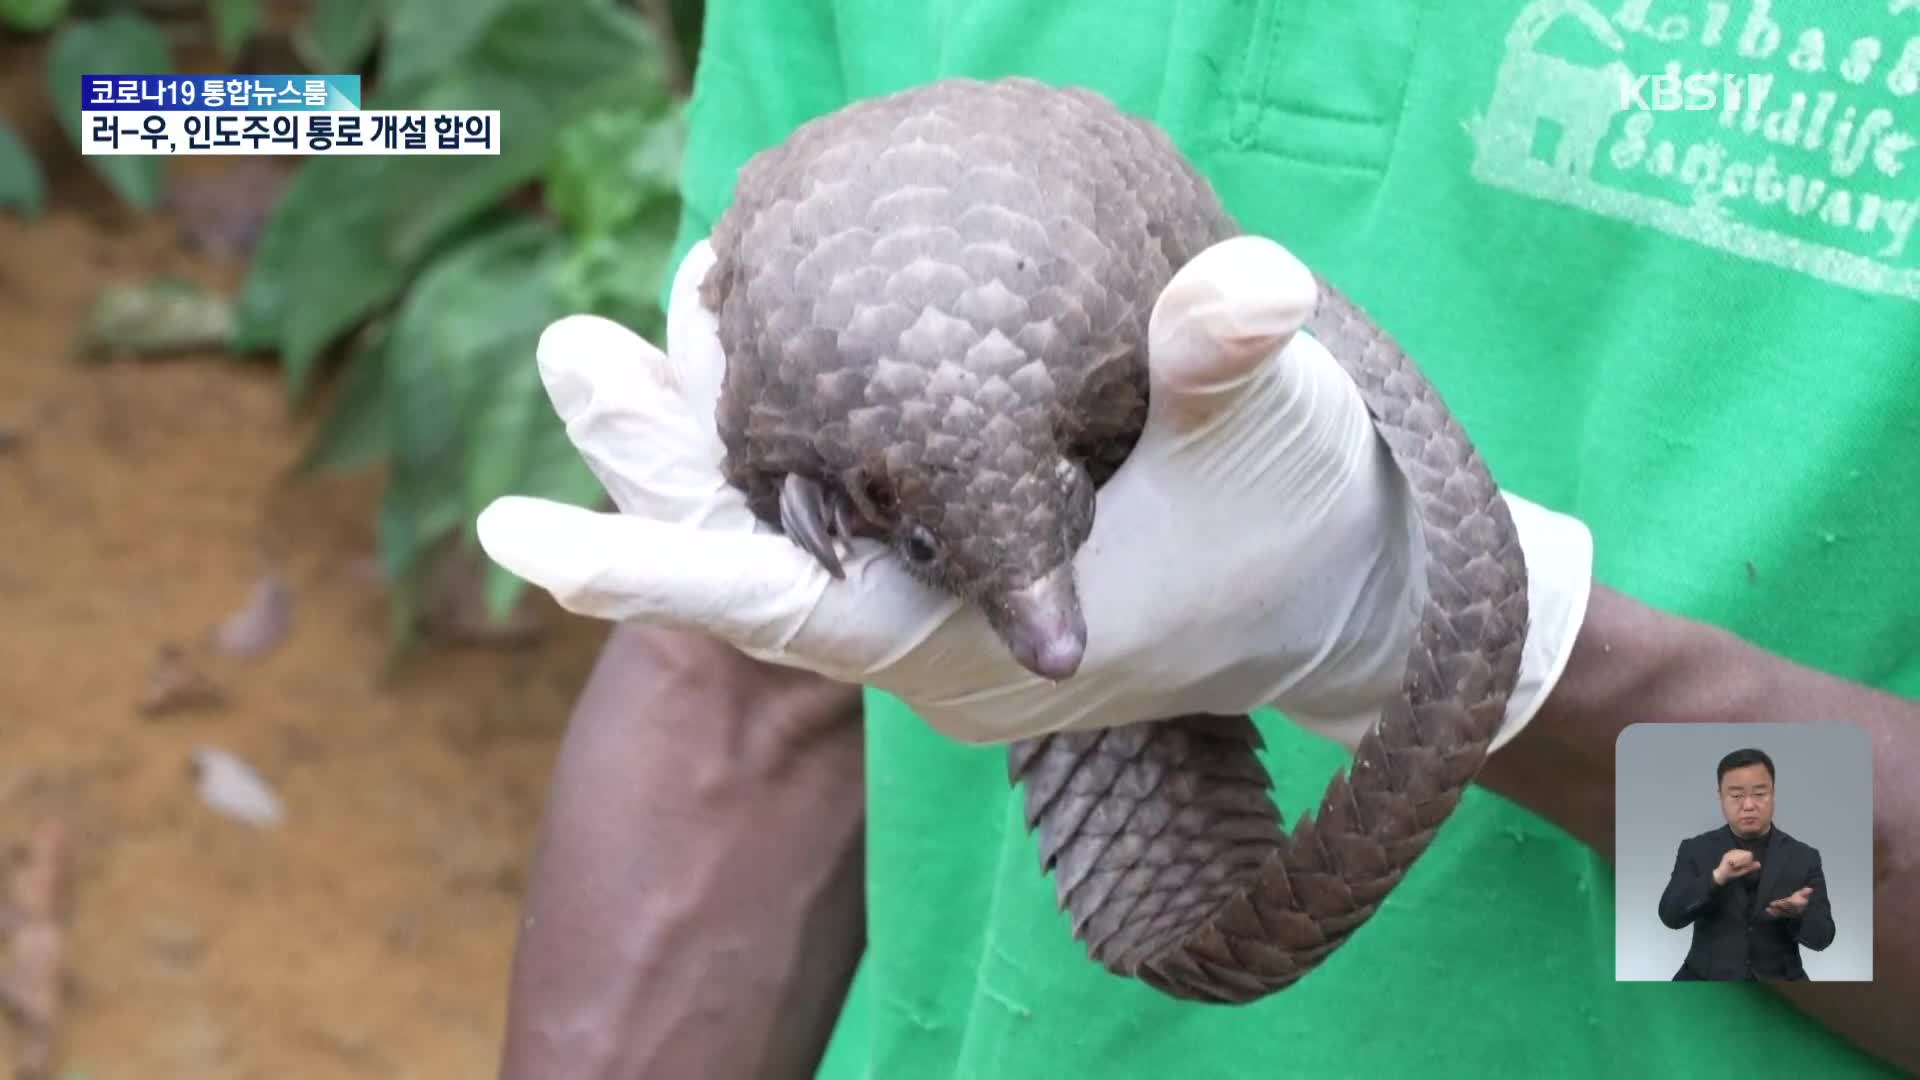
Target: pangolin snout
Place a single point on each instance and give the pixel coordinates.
(1043, 627)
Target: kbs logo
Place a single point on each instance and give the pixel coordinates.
(1701, 91)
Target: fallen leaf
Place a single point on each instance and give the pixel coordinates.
(263, 624)
(231, 787)
(31, 981)
(164, 316)
(224, 212)
(175, 685)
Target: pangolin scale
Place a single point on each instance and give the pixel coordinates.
(934, 306)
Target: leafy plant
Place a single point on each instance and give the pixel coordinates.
(118, 43)
(433, 277)
(22, 186)
(429, 279)
(31, 16)
(234, 24)
(106, 37)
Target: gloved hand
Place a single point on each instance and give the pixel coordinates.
(1258, 548)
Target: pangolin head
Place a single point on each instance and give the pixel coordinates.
(936, 301)
(992, 513)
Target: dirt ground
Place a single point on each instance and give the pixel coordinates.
(368, 934)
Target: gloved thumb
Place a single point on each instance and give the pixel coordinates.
(1221, 317)
(752, 589)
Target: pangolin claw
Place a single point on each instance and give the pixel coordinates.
(805, 519)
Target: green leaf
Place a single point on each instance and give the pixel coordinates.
(621, 274)
(611, 164)
(502, 590)
(615, 182)
(31, 16)
(234, 23)
(424, 37)
(553, 469)
(514, 422)
(123, 43)
(350, 232)
(468, 417)
(474, 313)
(414, 517)
(337, 35)
(355, 430)
(259, 316)
(22, 185)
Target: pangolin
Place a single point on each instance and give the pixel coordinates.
(934, 307)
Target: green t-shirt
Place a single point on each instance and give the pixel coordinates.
(1696, 330)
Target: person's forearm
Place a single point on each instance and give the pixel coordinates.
(1633, 664)
(693, 907)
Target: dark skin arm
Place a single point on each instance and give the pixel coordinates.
(694, 906)
(1634, 664)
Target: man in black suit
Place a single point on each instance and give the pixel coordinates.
(1753, 894)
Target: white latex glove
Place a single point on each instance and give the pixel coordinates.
(1256, 549)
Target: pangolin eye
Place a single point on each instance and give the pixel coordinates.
(920, 545)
